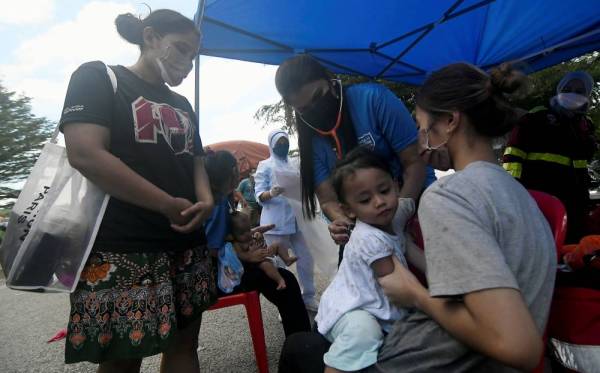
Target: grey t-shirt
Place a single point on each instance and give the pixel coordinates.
(482, 230)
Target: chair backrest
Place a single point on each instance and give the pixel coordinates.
(415, 229)
(555, 213)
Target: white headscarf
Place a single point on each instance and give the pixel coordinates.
(274, 136)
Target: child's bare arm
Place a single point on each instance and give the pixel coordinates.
(383, 266)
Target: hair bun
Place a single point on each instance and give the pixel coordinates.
(506, 78)
(130, 28)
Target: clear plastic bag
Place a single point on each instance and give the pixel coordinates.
(52, 226)
(230, 269)
(315, 232)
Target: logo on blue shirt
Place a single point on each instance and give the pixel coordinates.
(367, 140)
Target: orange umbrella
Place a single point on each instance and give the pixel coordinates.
(247, 153)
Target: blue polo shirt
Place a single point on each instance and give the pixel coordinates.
(381, 123)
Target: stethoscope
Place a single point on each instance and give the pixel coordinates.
(332, 132)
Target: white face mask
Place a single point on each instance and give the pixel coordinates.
(428, 147)
(571, 101)
(174, 67)
(436, 156)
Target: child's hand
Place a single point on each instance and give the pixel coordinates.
(263, 228)
(281, 284)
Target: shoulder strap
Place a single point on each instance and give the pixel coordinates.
(112, 77)
(113, 82)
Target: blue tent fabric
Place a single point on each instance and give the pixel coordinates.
(400, 40)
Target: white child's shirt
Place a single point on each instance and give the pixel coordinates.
(355, 285)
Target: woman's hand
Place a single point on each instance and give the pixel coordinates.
(273, 249)
(173, 209)
(275, 191)
(196, 214)
(402, 287)
(258, 256)
(339, 229)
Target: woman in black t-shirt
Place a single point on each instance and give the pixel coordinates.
(149, 276)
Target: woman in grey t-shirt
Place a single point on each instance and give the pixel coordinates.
(489, 251)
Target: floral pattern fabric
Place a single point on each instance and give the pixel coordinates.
(128, 305)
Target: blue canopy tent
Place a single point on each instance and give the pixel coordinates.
(400, 40)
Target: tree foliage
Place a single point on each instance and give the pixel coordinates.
(279, 114)
(21, 137)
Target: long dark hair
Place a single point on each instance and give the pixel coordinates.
(219, 166)
(163, 21)
(291, 75)
(481, 97)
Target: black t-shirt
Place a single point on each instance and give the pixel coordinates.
(153, 130)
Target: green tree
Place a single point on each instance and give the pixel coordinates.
(21, 137)
(279, 114)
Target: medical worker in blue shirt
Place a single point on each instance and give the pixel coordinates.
(332, 119)
(277, 210)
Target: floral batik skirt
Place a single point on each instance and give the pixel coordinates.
(129, 305)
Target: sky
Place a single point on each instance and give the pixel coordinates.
(45, 40)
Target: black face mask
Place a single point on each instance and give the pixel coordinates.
(322, 114)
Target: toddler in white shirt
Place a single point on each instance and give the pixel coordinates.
(354, 313)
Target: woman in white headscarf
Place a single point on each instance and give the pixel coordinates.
(277, 210)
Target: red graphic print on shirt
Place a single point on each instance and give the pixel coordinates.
(151, 118)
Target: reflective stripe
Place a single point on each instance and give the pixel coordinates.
(513, 168)
(580, 358)
(549, 157)
(511, 150)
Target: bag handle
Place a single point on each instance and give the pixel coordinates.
(113, 78)
(76, 183)
(113, 82)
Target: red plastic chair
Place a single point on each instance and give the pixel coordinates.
(415, 229)
(251, 302)
(555, 213)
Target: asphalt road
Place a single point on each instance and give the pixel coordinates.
(28, 320)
